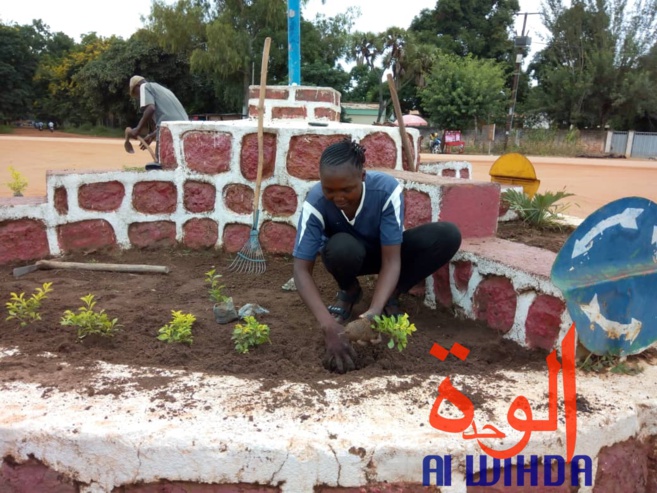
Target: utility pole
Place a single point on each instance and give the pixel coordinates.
(294, 41)
(521, 42)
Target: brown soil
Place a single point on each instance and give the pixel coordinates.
(143, 304)
(518, 231)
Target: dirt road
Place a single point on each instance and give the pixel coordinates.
(594, 182)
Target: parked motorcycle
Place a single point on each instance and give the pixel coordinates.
(436, 146)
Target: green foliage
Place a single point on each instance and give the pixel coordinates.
(464, 92)
(215, 290)
(615, 364)
(18, 183)
(6, 129)
(540, 211)
(26, 310)
(179, 329)
(397, 327)
(249, 335)
(90, 322)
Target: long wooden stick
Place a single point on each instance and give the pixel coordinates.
(261, 137)
(402, 128)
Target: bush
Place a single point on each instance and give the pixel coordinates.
(540, 211)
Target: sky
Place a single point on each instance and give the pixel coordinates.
(123, 17)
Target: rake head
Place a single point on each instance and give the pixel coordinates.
(250, 259)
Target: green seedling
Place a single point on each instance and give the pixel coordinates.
(249, 335)
(90, 322)
(215, 290)
(18, 183)
(179, 329)
(398, 328)
(26, 310)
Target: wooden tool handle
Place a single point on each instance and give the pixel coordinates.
(261, 137)
(400, 120)
(141, 139)
(53, 264)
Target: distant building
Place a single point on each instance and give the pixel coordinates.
(362, 113)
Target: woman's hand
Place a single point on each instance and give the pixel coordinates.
(340, 355)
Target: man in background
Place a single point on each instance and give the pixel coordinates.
(159, 105)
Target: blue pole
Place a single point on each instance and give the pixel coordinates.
(294, 41)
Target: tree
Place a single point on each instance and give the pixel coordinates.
(18, 63)
(590, 72)
(464, 92)
(480, 28)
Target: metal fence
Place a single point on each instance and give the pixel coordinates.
(618, 142)
(644, 144)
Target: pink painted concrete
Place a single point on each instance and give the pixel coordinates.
(544, 321)
(235, 237)
(472, 206)
(380, 150)
(239, 198)
(23, 239)
(249, 156)
(61, 201)
(623, 467)
(167, 154)
(304, 153)
(441, 286)
(465, 173)
(536, 261)
(33, 476)
(104, 197)
(417, 208)
(462, 274)
(279, 200)
(86, 236)
(277, 237)
(199, 196)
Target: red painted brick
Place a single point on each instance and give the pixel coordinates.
(235, 237)
(441, 286)
(167, 155)
(328, 114)
(380, 150)
(543, 321)
(417, 208)
(381, 488)
(472, 206)
(465, 173)
(253, 111)
(156, 234)
(199, 196)
(462, 274)
(239, 198)
(623, 467)
(23, 239)
(279, 200)
(304, 153)
(189, 487)
(321, 94)
(277, 237)
(61, 201)
(504, 207)
(419, 290)
(449, 173)
(249, 155)
(154, 197)
(200, 233)
(270, 93)
(289, 112)
(86, 236)
(208, 152)
(495, 303)
(33, 476)
(105, 197)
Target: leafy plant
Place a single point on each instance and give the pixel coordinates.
(18, 183)
(249, 335)
(179, 329)
(613, 363)
(541, 210)
(90, 322)
(216, 295)
(397, 327)
(26, 310)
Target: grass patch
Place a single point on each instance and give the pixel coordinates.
(608, 363)
(138, 169)
(95, 130)
(6, 129)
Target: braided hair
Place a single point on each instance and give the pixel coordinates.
(346, 151)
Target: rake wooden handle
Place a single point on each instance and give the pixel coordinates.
(261, 137)
(139, 268)
(406, 146)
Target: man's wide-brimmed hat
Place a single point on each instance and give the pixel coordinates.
(134, 81)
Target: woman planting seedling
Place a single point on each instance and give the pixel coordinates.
(355, 220)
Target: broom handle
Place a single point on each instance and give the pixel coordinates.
(261, 137)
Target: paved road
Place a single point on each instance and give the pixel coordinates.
(594, 182)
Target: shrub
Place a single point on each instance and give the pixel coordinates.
(27, 310)
(90, 322)
(250, 334)
(179, 329)
(18, 183)
(398, 328)
(216, 295)
(540, 211)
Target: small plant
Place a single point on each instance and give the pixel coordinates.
(397, 327)
(615, 364)
(179, 329)
(249, 335)
(540, 211)
(18, 183)
(90, 322)
(27, 310)
(216, 295)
